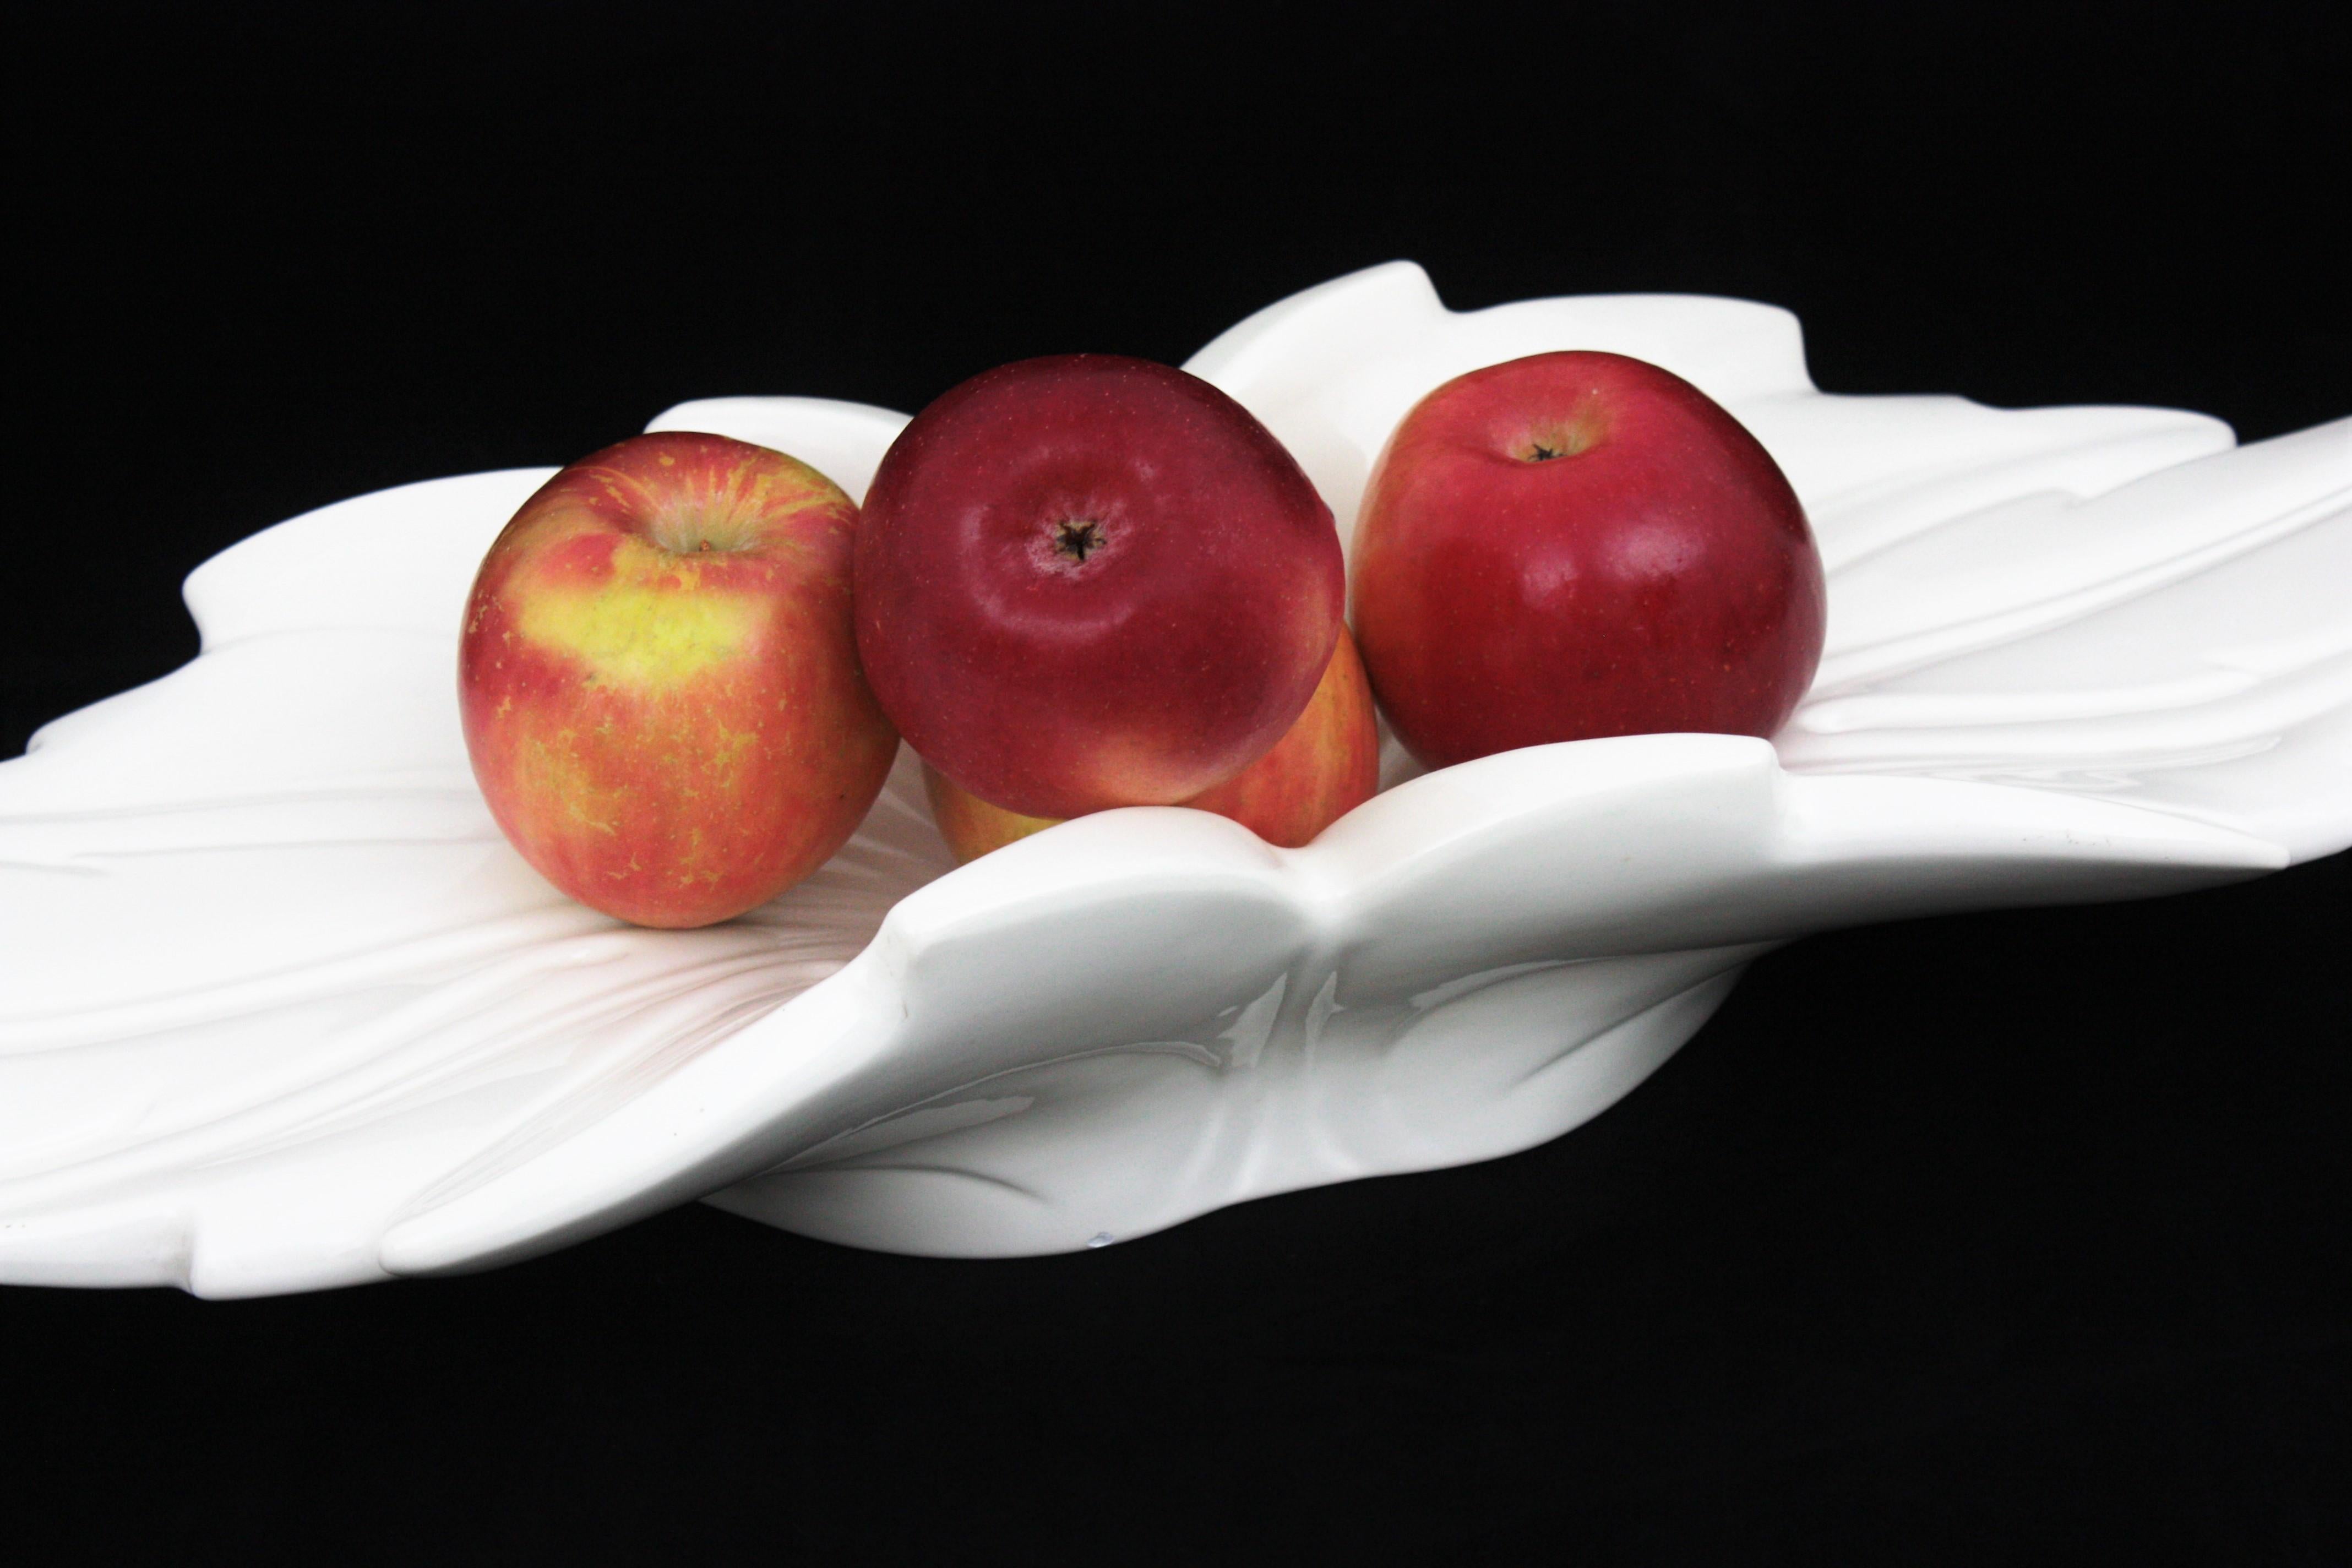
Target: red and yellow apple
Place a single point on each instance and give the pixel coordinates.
(1326, 764)
(1089, 581)
(1581, 544)
(658, 678)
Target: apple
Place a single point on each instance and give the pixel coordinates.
(1579, 544)
(1326, 764)
(658, 678)
(1089, 581)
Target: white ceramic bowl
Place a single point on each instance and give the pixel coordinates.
(281, 1010)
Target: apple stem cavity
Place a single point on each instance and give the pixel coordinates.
(700, 532)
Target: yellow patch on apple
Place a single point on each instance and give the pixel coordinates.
(650, 625)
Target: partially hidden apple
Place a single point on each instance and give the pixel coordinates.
(659, 680)
(1089, 581)
(1581, 544)
(1326, 764)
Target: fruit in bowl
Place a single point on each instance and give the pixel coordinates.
(1089, 581)
(1579, 544)
(1326, 764)
(658, 680)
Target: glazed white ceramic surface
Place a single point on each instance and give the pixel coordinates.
(280, 1010)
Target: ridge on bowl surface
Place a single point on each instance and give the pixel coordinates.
(282, 1011)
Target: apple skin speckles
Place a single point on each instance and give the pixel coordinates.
(659, 681)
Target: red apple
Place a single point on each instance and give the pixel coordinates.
(1327, 764)
(659, 682)
(1089, 581)
(1581, 544)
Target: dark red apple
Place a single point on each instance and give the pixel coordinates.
(1581, 544)
(1089, 581)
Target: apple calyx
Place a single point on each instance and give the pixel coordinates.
(1549, 441)
(1076, 538)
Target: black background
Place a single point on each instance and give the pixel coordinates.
(1982, 1239)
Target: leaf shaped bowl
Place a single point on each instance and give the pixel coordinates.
(280, 1010)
